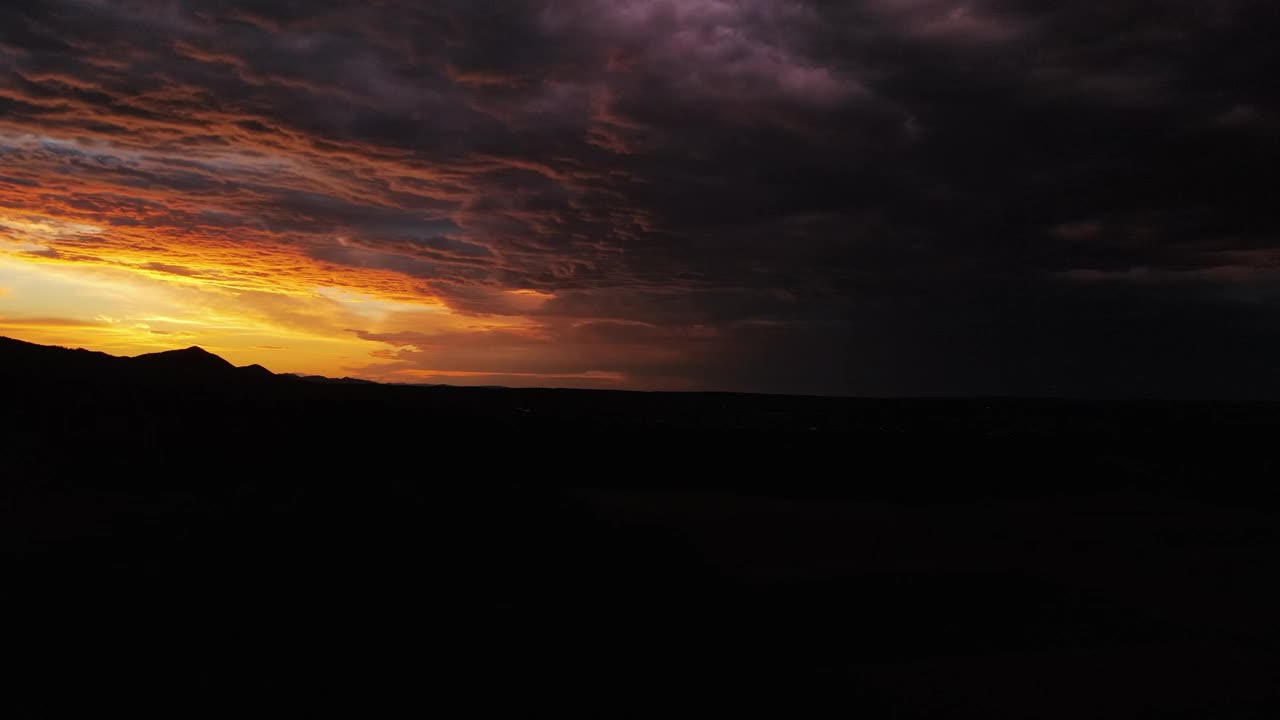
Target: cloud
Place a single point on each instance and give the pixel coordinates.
(948, 21)
(730, 51)
(800, 195)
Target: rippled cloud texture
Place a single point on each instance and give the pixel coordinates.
(867, 196)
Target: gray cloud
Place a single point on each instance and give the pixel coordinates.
(880, 196)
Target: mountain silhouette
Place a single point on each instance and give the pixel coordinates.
(331, 381)
(26, 359)
(255, 370)
(194, 363)
(192, 360)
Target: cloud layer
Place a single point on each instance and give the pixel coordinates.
(878, 196)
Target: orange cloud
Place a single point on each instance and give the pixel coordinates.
(284, 201)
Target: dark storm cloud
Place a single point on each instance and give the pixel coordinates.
(872, 196)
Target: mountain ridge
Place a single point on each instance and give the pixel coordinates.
(22, 357)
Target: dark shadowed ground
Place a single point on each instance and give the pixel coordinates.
(186, 538)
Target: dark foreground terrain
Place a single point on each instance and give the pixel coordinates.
(181, 537)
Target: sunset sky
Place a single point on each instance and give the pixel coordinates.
(872, 197)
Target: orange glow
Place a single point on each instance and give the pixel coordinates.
(155, 231)
(443, 375)
(289, 315)
(207, 254)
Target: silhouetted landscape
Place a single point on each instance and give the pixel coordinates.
(184, 536)
(640, 359)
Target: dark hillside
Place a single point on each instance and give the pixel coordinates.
(183, 536)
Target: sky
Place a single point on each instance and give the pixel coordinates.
(853, 197)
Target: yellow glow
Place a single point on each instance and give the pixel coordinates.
(125, 312)
(124, 309)
(87, 260)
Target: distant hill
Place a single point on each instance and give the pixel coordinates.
(193, 359)
(29, 360)
(328, 380)
(45, 376)
(18, 358)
